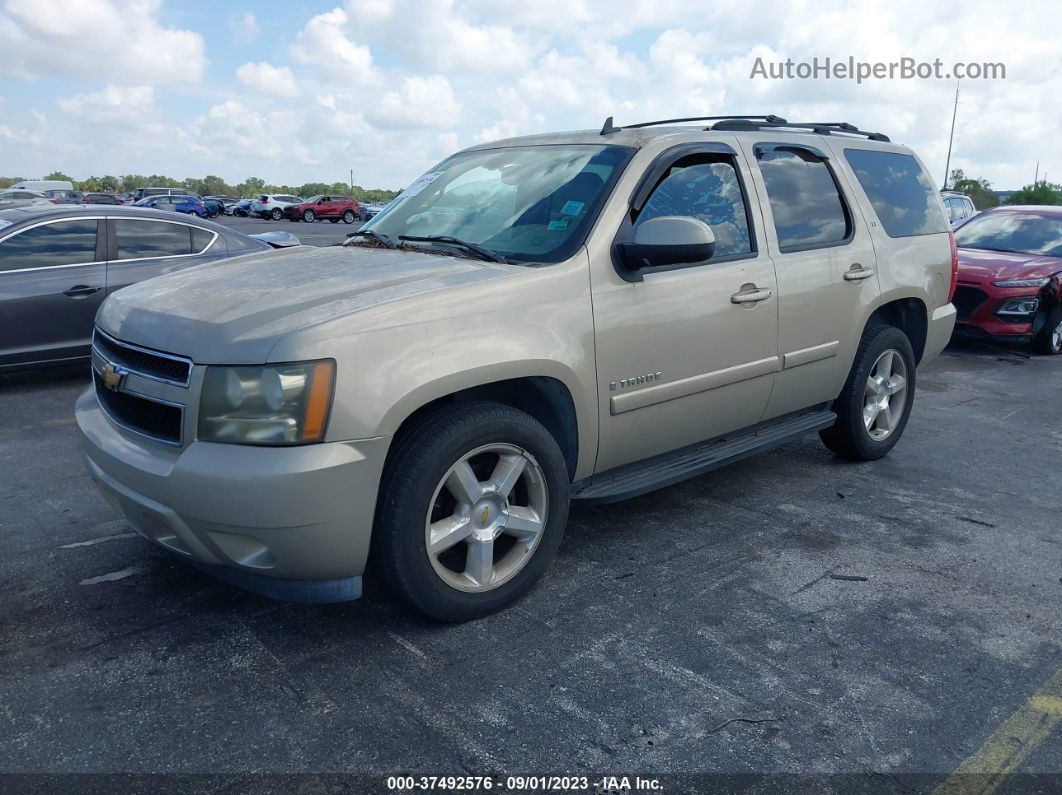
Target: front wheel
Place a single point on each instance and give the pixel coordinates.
(348, 216)
(873, 408)
(472, 508)
(1049, 340)
(309, 216)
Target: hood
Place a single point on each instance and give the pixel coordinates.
(977, 266)
(235, 311)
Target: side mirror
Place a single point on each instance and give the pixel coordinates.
(668, 240)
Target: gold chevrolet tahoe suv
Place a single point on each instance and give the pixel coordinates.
(575, 316)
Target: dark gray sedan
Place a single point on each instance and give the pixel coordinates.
(58, 263)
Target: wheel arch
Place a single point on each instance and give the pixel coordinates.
(910, 315)
(545, 397)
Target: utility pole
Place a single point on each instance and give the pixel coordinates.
(352, 183)
(1036, 177)
(951, 135)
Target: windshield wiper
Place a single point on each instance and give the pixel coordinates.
(475, 248)
(379, 238)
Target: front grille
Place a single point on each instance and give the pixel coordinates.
(165, 367)
(967, 299)
(158, 420)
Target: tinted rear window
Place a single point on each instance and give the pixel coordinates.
(902, 194)
(806, 205)
(59, 243)
(137, 238)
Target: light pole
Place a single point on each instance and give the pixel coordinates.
(951, 135)
(352, 183)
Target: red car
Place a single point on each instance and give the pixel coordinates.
(1010, 276)
(334, 208)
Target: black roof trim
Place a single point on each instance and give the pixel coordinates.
(609, 127)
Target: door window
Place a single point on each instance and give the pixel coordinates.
(705, 187)
(139, 239)
(50, 245)
(805, 201)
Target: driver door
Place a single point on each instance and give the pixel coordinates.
(681, 355)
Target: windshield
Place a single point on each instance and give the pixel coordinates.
(527, 204)
(1022, 233)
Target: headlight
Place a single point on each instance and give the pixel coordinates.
(1022, 283)
(278, 404)
(1019, 306)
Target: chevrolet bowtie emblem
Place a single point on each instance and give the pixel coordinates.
(112, 376)
(486, 513)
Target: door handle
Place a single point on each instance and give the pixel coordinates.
(750, 295)
(81, 291)
(857, 273)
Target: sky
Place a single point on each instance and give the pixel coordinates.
(305, 91)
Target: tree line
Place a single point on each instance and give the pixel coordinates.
(212, 186)
(980, 191)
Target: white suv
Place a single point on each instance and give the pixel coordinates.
(272, 205)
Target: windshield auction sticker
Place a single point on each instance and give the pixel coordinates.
(420, 183)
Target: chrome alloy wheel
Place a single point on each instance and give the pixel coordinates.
(486, 518)
(1056, 337)
(885, 395)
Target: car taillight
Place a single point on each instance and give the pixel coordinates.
(954, 266)
(265, 201)
(54, 201)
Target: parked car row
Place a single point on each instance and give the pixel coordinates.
(276, 206)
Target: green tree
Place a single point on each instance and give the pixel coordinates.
(979, 190)
(59, 175)
(1040, 193)
(7, 182)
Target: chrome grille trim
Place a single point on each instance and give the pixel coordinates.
(119, 345)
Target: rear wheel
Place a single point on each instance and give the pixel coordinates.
(472, 508)
(873, 408)
(1049, 340)
(348, 216)
(309, 216)
(277, 214)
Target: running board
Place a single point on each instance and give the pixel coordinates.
(654, 473)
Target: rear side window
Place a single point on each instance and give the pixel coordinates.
(138, 239)
(200, 239)
(902, 194)
(50, 245)
(805, 201)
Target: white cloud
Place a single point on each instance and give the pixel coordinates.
(112, 103)
(418, 102)
(279, 81)
(122, 41)
(324, 45)
(244, 27)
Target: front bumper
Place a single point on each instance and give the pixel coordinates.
(978, 304)
(290, 522)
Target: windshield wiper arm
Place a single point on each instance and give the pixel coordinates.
(378, 237)
(475, 248)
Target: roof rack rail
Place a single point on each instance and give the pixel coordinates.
(609, 127)
(820, 127)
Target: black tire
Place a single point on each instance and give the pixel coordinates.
(416, 465)
(849, 436)
(348, 216)
(277, 214)
(309, 216)
(1048, 340)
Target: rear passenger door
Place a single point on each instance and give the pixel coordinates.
(142, 248)
(825, 264)
(52, 279)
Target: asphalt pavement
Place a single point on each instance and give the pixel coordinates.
(319, 233)
(793, 614)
